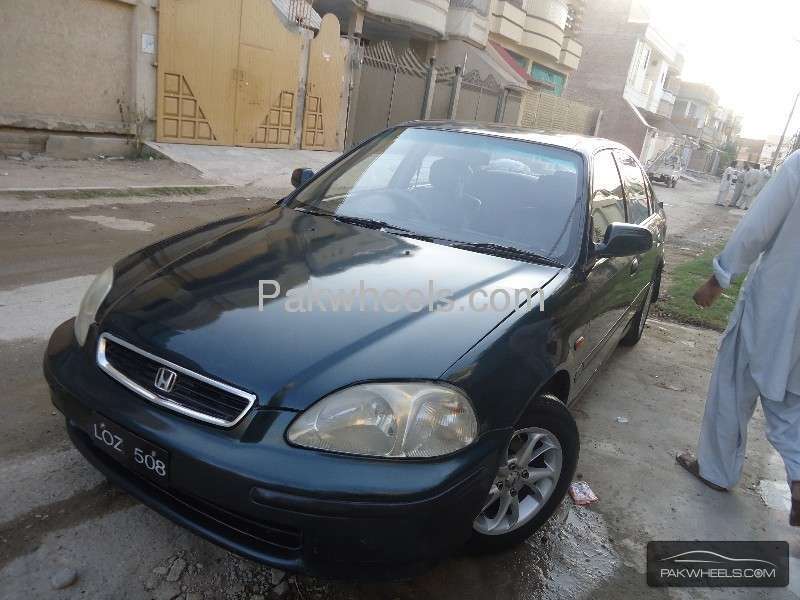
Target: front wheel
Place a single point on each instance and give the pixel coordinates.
(532, 478)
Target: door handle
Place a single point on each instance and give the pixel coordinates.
(635, 265)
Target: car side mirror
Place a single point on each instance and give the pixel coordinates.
(624, 239)
(301, 176)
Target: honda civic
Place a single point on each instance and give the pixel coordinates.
(376, 371)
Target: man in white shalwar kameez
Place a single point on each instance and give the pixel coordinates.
(738, 189)
(766, 175)
(752, 186)
(759, 355)
(726, 185)
(763, 178)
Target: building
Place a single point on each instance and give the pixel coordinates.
(87, 77)
(751, 151)
(631, 72)
(72, 67)
(710, 127)
(506, 50)
(103, 76)
(540, 36)
(771, 147)
(696, 112)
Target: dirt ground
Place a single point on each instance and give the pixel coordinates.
(60, 519)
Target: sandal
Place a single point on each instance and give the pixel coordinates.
(689, 462)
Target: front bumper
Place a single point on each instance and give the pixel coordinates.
(249, 491)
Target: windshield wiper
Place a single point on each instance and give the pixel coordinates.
(313, 211)
(383, 226)
(362, 222)
(503, 250)
(488, 247)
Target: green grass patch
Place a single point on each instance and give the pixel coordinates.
(677, 303)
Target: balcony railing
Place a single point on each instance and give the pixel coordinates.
(673, 85)
(301, 12)
(479, 6)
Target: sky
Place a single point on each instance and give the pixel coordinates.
(749, 51)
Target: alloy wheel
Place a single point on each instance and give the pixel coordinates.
(524, 482)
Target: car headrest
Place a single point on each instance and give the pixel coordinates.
(449, 173)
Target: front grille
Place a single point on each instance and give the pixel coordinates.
(190, 394)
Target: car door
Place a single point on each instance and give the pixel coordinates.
(609, 288)
(640, 211)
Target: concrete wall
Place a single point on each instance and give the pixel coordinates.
(77, 66)
(428, 14)
(467, 24)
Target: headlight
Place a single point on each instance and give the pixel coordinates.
(94, 296)
(394, 420)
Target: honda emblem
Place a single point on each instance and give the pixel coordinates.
(165, 379)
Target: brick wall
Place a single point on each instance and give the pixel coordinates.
(609, 42)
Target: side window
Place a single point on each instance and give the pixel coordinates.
(635, 194)
(608, 205)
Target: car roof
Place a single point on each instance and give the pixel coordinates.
(585, 144)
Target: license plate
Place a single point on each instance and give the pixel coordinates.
(128, 448)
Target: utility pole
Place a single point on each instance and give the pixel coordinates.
(785, 129)
(788, 123)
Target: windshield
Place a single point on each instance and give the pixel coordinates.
(452, 186)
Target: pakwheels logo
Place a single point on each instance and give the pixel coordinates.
(698, 564)
(309, 298)
(718, 564)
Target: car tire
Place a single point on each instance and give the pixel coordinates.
(556, 451)
(636, 327)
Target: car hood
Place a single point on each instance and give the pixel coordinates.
(202, 309)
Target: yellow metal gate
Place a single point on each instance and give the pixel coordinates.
(198, 54)
(324, 87)
(228, 75)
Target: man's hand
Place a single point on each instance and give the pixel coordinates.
(708, 293)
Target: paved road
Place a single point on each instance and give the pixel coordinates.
(57, 513)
